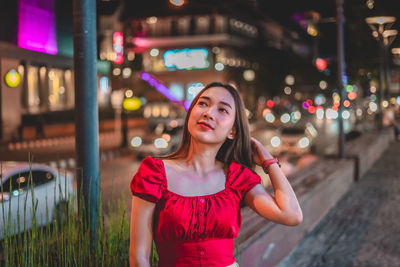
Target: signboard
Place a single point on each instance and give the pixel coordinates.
(186, 59)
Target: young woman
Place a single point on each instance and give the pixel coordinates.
(189, 202)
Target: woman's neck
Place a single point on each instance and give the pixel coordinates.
(202, 157)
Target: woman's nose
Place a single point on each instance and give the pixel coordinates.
(208, 113)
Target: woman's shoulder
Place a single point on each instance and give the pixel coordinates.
(242, 178)
(149, 181)
(239, 172)
(149, 160)
(151, 165)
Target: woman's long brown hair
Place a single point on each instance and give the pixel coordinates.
(238, 149)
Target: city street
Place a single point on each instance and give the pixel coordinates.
(90, 88)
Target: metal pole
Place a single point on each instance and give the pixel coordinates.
(86, 110)
(340, 71)
(387, 71)
(383, 87)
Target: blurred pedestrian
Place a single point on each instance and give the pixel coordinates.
(389, 119)
(308, 158)
(286, 166)
(189, 201)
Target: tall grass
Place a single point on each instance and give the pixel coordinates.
(65, 240)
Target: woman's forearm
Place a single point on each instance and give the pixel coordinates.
(139, 262)
(285, 197)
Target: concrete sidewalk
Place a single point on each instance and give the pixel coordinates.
(363, 229)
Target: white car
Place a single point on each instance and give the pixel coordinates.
(163, 140)
(50, 192)
(294, 140)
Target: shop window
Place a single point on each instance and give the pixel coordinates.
(33, 100)
(57, 89)
(220, 24)
(202, 25)
(184, 25)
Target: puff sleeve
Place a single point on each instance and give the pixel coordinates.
(148, 183)
(244, 180)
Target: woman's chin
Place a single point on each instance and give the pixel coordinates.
(206, 139)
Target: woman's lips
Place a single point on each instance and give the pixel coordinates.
(205, 126)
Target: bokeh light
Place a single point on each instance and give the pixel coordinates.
(270, 117)
(304, 142)
(275, 141)
(346, 114)
(136, 141)
(219, 66)
(154, 52)
(285, 118)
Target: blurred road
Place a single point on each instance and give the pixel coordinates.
(363, 229)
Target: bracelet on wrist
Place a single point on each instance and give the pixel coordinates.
(268, 162)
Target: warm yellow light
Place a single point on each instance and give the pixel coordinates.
(128, 93)
(323, 84)
(396, 51)
(12, 78)
(287, 90)
(311, 30)
(131, 103)
(389, 33)
(249, 75)
(151, 20)
(164, 111)
(380, 20)
(156, 111)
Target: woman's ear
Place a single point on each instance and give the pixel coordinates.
(232, 134)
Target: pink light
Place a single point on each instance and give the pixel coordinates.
(306, 105)
(163, 89)
(118, 47)
(36, 26)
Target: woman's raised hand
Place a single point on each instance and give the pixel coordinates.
(259, 152)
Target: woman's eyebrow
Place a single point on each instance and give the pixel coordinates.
(222, 102)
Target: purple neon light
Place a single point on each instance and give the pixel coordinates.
(163, 89)
(36, 26)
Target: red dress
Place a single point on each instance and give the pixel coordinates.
(194, 230)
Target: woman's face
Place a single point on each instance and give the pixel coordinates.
(212, 118)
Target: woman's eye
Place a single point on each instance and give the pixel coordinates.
(223, 110)
(201, 103)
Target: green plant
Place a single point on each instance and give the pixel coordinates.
(65, 242)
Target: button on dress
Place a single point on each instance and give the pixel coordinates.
(194, 230)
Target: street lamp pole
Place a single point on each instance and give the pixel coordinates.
(340, 71)
(86, 111)
(392, 35)
(381, 32)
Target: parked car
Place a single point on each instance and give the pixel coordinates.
(31, 191)
(294, 140)
(161, 139)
